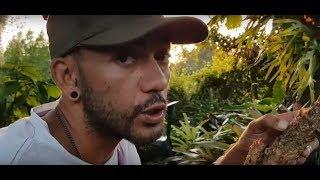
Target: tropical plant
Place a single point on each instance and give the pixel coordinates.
(25, 81)
(288, 53)
(196, 145)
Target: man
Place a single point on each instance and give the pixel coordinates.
(113, 74)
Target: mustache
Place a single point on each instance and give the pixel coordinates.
(155, 98)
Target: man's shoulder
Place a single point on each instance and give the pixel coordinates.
(14, 139)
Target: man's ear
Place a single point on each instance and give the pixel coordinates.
(65, 75)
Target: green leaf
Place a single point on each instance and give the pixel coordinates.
(233, 21)
(311, 88)
(254, 113)
(213, 145)
(305, 38)
(237, 107)
(313, 66)
(289, 31)
(275, 48)
(20, 112)
(53, 91)
(32, 101)
(20, 100)
(278, 92)
(264, 108)
(266, 101)
(283, 21)
(275, 75)
(31, 72)
(237, 129)
(8, 88)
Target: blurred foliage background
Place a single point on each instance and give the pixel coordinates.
(221, 84)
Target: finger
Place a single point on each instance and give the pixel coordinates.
(269, 121)
(314, 144)
(301, 160)
(288, 116)
(311, 147)
(292, 162)
(306, 153)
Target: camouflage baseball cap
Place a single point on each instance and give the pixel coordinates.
(69, 31)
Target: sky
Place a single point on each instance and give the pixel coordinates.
(22, 23)
(36, 23)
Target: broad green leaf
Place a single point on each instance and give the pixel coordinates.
(32, 101)
(233, 21)
(20, 112)
(31, 72)
(20, 100)
(266, 101)
(53, 91)
(264, 108)
(8, 88)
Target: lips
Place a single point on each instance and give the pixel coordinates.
(154, 114)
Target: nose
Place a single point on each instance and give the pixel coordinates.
(155, 77)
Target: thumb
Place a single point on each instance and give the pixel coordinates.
(269, 121)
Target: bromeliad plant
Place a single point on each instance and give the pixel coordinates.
(204, 142)
(196, 145)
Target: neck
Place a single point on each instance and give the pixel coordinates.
(92, 147)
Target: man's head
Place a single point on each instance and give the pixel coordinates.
(118, 66)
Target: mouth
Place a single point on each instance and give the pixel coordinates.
(154, 114)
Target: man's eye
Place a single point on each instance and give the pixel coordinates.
(125, 59)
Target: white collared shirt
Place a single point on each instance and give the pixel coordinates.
(28, 141)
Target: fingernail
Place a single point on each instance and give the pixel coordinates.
(309, 149)
(282, 125)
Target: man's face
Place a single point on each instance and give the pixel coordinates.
(124, 89)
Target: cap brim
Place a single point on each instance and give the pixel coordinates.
(178, 30)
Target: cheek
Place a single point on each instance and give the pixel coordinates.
(119, 88)
(119, 94)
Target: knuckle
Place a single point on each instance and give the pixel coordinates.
(268, 116)
(253, 123)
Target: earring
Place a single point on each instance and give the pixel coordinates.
(74, 95)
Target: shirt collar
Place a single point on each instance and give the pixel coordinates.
(37, 112)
